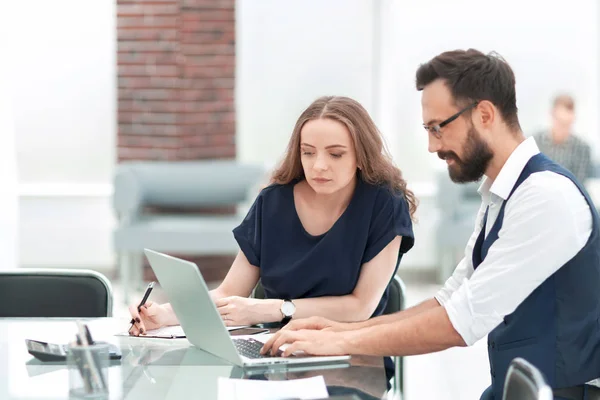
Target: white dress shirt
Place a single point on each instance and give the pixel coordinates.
(546, 222)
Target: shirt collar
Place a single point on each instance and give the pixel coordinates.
(510, 171)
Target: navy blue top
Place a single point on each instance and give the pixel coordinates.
(295, 264)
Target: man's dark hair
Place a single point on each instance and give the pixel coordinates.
(473, 76)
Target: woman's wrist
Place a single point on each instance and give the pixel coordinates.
(171, 318)
(270, 310)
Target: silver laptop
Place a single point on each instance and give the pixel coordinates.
(189, 296)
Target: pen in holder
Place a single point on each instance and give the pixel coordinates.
(88, 370)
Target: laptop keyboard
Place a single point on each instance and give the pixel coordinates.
(250, 348)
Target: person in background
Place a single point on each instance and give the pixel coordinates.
(561, 145)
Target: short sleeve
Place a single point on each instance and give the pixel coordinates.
(248, 233)
(391, 218)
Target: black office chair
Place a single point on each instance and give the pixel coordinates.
(525, 382)
(54, 293)
(396, 302)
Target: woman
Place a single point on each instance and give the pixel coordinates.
(327, 235)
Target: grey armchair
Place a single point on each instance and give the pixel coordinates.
(192, 187)
(63, 293)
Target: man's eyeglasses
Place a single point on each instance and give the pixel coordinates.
(436, 130)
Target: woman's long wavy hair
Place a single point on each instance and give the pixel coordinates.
(372, 158)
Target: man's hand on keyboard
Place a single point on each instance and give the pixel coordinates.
(311, 342)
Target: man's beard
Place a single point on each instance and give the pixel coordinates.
(476, 158)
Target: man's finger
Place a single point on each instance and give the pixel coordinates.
(284, 338)
(300, 324)
(294, 347)
(275, 343)
(222, 302)
(224, 310)
(269, 343)
(293, 325)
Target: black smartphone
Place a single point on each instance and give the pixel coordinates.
(248, 331)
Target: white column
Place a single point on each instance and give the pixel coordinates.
(9, 210)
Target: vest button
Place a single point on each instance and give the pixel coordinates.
(493, 345)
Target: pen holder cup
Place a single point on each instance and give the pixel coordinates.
(88, 371)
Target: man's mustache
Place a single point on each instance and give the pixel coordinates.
(445, 155)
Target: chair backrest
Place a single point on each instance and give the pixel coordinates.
(64, 293)
(525, 382)
(259, 291)
(395, 297)
(184, 185)
(396, 301)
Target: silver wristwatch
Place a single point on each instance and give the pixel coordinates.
(288, 308)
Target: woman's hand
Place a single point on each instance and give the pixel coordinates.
(237, 310)
(150, 316)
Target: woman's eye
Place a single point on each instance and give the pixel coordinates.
(336, 155)
(306, 153)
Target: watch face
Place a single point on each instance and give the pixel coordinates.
(288, 308)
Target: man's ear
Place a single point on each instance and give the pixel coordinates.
(486, 113)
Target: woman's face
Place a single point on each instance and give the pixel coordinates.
(328, 155)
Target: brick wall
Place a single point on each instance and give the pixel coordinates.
(175, 66)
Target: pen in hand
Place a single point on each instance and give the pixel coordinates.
(146, 295)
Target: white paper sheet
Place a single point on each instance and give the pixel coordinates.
(171, 332)
(166, 332)
(243, 389)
